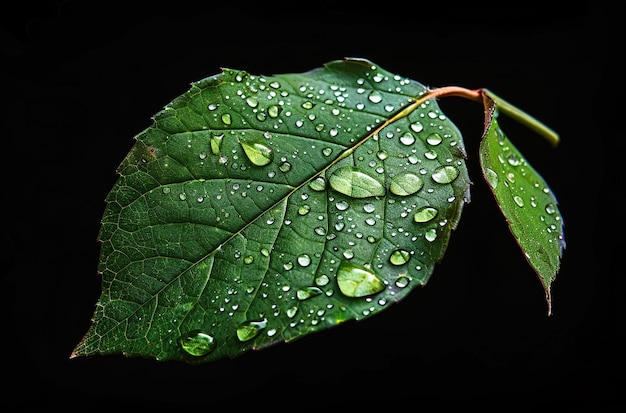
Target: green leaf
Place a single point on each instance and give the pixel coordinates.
(528, 204)
(260, 209)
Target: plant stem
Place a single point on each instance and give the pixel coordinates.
(502, 106)
(524, 118)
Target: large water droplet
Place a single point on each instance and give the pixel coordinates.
(216, 143)
(445, 174)
(304, 260)
(355, 281)
(400, 257)
(492, 177)
(405, 183)
(318, 184)
(197, 343)
(250, 329)
(258, 153)
(425, 214)
(355, 183)
(375, 96)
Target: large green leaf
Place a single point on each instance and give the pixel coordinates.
(260, 209)
(524, 198)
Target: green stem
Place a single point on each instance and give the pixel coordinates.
(502, 105)
(524, 118)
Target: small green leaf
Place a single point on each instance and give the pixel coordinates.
(528, 204)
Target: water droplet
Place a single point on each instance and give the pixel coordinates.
(292, 311)
(308, 292)
(445, 174)
(382, 154)
(369, 208)
(216, 143)
(304, 260)
(304, 209)
(273, 111)
(434, 139)
(402, 281)
(518, 200)
(248, 260)
(342, 205)
(425, 214)
(407, 139)
(250, 329)
(513, 159)
(431, 235)
(258, 153)
(417, 127)
(327, 151)
(226, 118)
(375, 96)
(405, 183)
(197, 343)
(355, 281)
(399, 257)
(492, 177)
(318, 184)
(353, 182)
(285, 167)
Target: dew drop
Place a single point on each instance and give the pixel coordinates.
(216, 143)
(258, 153)
(304, 260)
(375, 97)
(399, 257)
(250, 329)
(402, 281)
(431, 235)
(327, 151)
(353, 182)
(407, 139)
(304, 209)
(308, 292)
(518, 200)
(492, 177)
(285, 167)
(425, 214)
(273, 111)
(197, 343)
(405, 183)
(355, 281)
(252, 102)
(318, 184)
(292, 311)
(226, 118)
(434, 139)
(445, 174)
(417, 127)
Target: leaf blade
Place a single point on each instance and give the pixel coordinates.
(260, 209)
(525, 200)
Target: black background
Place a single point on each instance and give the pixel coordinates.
(80, 79)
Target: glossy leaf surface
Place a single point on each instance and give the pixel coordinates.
(259, 209)
(525, 199)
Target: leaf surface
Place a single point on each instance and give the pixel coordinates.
(259, 209)
(526, 201)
